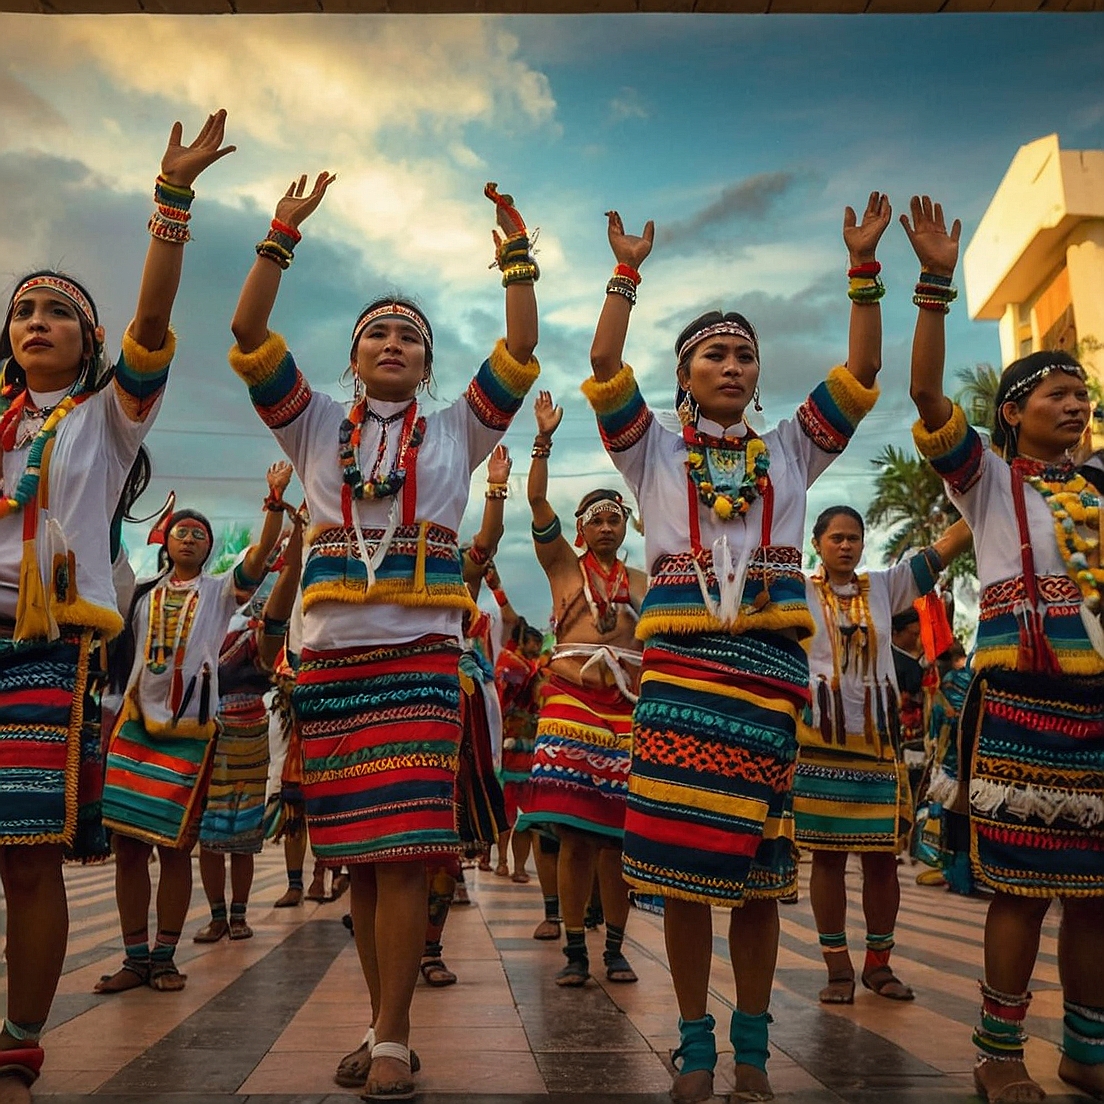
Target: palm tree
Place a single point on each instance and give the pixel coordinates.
(978, 394)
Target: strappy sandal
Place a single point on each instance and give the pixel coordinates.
(839, 990)
(352, 1070)
(436, 973)
(1001, 1095)
(137, 967)
(618, 968)
(881, 979)
(239, 929)
(23, 1063)
(574, 975)
(212, 932)
(166, 978)
(394, 1090)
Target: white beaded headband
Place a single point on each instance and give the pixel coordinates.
(731, 329)
(1030, 382)
(393, 310)
(602, 506)
(64, 288)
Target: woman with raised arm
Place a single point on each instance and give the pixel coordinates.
(377, 694)
(724, 673)
(1033, 724)
(69, 432)
(851, 788)
(233, 817)
(159, 757)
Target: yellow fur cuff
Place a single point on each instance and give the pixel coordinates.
(257, 366)
(143, 361)
(607, 395)
(938, 442)
(854, 400)
(518, 377)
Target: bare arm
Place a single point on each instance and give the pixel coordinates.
(258, 293)
(956, 540)
(256, 556)
(165, 257)
(485, 542)
(864, 342)
(613, 323)
(519, 274)
(281, 600)
(937, 250)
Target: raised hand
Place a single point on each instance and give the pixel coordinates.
(862, 238)
(279, 476)
(182, 164)
(509, 217)
(935, 246)
(628, 248)
(294, 207)
(499, 465)
(547, 413)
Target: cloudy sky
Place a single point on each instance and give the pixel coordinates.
(743, 137)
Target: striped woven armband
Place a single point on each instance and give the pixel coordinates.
(831, 414)
(500, 385)
(549, 533)
(278, 390)
(623, 415)
(141, 373)
(926, 567)
(954, 450)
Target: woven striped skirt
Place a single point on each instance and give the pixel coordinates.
(155, 786)
(481, 809)
(1037, 784)
(714, 745)
(580, 776)
(381, 734)
(848, 802)
(233, 821)
(285, 812)
(51, 766)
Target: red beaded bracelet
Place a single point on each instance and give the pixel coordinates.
(628, 271)
(869, 268)
(285, 228)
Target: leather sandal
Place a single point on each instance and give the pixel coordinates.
(136, 968)
(239, 929)
(352, 1070)
(882, 979)
(394, 1090)
(212, 932)
(547, 929)
(618, 968)
(436, 973)
(1001, 1096)
(575, 974)
(839, 990)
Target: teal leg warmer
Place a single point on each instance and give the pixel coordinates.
(1083, 1033)
(697, 1047)
(749, 1038)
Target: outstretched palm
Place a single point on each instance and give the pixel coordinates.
(628, 248)
(936, 248)
(499, 465)
(548, 415)
(862, 238)
(182, 164)
(294, 207)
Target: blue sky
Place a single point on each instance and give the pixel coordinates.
(742, 136)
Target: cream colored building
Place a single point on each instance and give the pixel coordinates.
(1036, 262)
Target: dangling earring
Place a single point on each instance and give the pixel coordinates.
(358, 387)
(687, 409)
(755, 401)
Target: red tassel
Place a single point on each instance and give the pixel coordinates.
(935, 629)
(176, 693)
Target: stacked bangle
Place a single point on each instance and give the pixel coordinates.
(624, 282)
(274, 505)
(515, 259)
(478, 556)
(864, 283)
(169, 221)
(497, 490)
(279, 245)
(542, 447)
(935, 293)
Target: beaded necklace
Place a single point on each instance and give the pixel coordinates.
(168, 598)
(27, 487)
(1078, 522)
(604, 590)
(728, 475)
(354, 485)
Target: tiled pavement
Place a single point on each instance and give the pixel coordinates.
(265, 1021)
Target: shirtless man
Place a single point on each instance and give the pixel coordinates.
(580, 778)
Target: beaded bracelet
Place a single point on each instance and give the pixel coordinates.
(628, 272)
(623, 286)
(478, 556)
(542, 447)
(865, 289)
(867, 268)
(274, 505)
(935, 293)
(497, 490)
(279, 245)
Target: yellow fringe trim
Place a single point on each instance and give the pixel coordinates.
(257, 366)
(772, 619)
(518, 377)
(394, 592)
(132, 711)
(1069, 663)
(607, 395)
(934, 443)
(148, 361)
(108, 622)
(584, 733)
(854, 400)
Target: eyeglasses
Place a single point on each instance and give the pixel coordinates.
(182, 532)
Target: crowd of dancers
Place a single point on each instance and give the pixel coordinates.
(692, 724)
